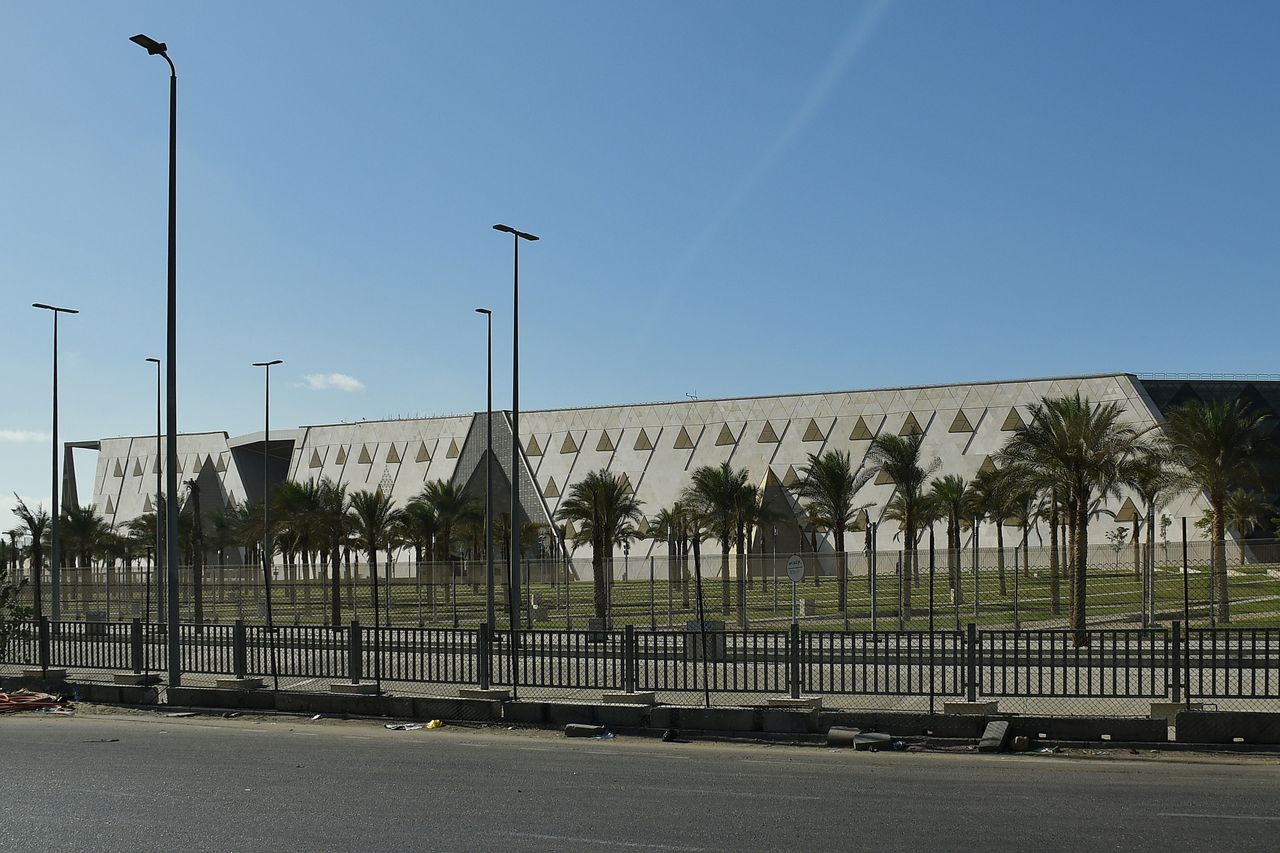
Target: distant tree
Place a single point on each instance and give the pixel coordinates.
(605, 513)
(828, 487)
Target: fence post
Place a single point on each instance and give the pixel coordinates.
(42, 642)
(239, 649)
(629, 653)
(135, 645)
(971, 661)
(483, 661)
(1177, 662)
(355, 652)
(793, 659)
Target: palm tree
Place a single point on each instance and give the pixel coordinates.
(1155, 479)
(36, 522)
(331, 522)
(827, 488)
(899, 458)
(418, 528)
(716, 493)
(605, 512)
(1086, 451)
(452, 507)
(85, 532)
(951, 493)
(991, 496)
(197, 552)
(1217, 444)
(372, 517)
(1244, 511)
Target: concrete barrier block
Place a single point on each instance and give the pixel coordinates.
(524, 712)
(1118, 729)
(994, 736)
(709, 719)
(790, 721)
(469, 710)
(624, 716)
(563, 713)
(1227, 727)
(905, 723)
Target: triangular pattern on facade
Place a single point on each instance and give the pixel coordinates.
(605, 444)
(861, 432)
(118, 472)
(683, 442)
(111, 507)
(137, 467)
(316, 461)
(147, 505)
(643, 442)
(342, 456)
(791, 478)
(1128, 512)
(452, 452)
(988, 465)
(859, 522)
(725, 437)
(533, 448)
(813, 432)
(364, 458)
(883, 478)
(222, 463)
(393, 455)
(1012, 421)
(424, 455)
(960, 423)
(551, 490)
(767, 435)
(625, 482)
(910, 426)
(568, 445)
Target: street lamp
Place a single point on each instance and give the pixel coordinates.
(488, 471)
(514, 568)
(159, 500)
(55, 554)
(266, 529)
(156, 48)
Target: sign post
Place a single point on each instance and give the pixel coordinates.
(795, 570)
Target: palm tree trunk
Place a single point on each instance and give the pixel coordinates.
(908, 557)
(1055, 582)
(1004, 589)
(1080, 573)
(724, 573)
(335, 586)
(843, 567)
(742, 579)
(597, 574)
(1220, 561)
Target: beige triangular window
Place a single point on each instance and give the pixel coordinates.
(960, 423)
(137, 467)
(147, 506)
(643, 527)
(725, 436)
(551, 490)
(1128, 512)
(570, 532)
(910, 426)
(790, 478)
(452, 452)
(568, 445)
(365, 458)
(1012, 421)
(393, 455)
(181, 468)
(683, 442)
(221, 467)
(155, 468)
(771, 479)
(625, 482)
(767, 435)
(643, 442)
(533, 448)
(110, 507)
(316, 461)
(424, 455)
(119, 471)
(883, 478)
(859, 521)
(813, 432)
(342, 456)
(861, 432)
(605, 444)
(988, 465)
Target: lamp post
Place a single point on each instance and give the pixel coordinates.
(156, 48)
(488, 471)
(146, 617)
(266, 528)
(55, 554)
(514, 568)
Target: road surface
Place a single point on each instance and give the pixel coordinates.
(137, 782)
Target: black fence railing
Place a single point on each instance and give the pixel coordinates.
(1201, 664)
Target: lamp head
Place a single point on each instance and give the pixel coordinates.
(484, 311)
(523, 235)
(154, 360)
(272, 363)
(152, 46)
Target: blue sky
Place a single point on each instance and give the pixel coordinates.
(734, 198)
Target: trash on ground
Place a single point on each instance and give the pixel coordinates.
(435, 724)
(181, 714)
(583, 730)
(403, 727)
(605, 736)
(670, 735)
(26, 700)
(994, 736)
(317, 717)
(231, 715)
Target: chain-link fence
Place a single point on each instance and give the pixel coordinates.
(1013, 587)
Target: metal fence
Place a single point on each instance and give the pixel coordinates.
(1236, 666)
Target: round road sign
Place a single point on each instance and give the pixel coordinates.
(795, 568)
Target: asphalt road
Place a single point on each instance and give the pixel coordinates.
(141, 782)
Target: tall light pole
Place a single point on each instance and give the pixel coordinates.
(156, 48)
(146, 617)
(488, 471)
(514, 567)
(266, 528)
(55, 553)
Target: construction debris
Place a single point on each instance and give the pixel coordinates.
(25, 700)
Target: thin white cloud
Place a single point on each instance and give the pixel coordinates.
(332, 382)
(21, 436)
